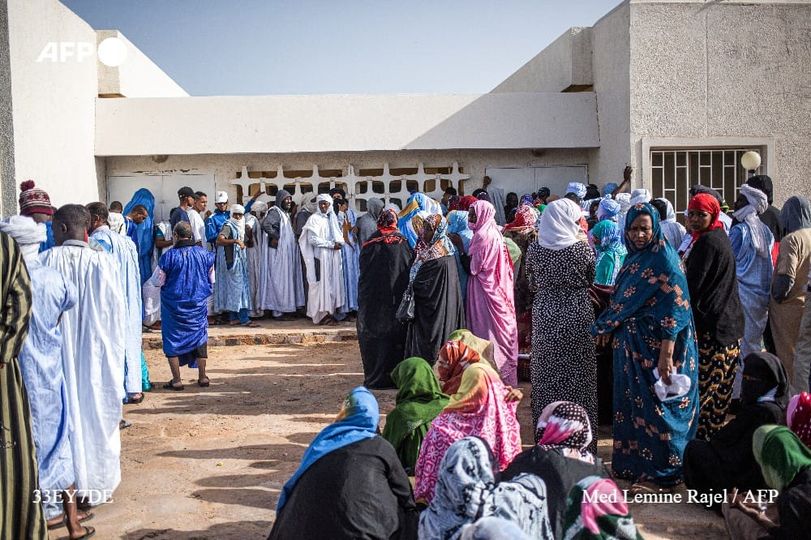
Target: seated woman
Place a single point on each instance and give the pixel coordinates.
(596, 508)
(726, 461)
(561, 458)
(468, 489)
(419, 400)
(480, 345)
(786, 465)
(479, 409)
(798, 417)
(350, 483)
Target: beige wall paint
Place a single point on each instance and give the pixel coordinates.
(726, 70)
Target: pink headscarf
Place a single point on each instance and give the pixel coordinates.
(490, 305)
(604, 498)
(478, 410)
(798, 417)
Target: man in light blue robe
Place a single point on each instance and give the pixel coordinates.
(126, 254)
(233, 292)
(350, 255)
(41, 367)
(92, 353)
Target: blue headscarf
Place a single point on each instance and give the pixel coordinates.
(458, 224)
(357, 421)
(608, 209)
(418, 202)
(144, 235)
(609, 188)
(647, 272)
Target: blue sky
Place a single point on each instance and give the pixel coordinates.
(255, 47)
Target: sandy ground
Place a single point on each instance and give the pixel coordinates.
(209, 462)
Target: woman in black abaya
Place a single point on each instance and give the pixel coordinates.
(384, 263)
(438, 305)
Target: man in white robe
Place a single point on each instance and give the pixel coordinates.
(125, 252)
(321, 242)
(284, 290)
(92, 353)
(196, 213)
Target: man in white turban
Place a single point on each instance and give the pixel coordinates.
(321, 242)
(232, 292)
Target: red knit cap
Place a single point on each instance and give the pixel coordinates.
(34, 200)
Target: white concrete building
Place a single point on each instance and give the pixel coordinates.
(676, 88)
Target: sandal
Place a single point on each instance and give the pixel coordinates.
(62, 523)
(88, 532)
(171, 386)
(124, 424)
(646, 488)
(137, 400)
(203, 383)
(250, 325)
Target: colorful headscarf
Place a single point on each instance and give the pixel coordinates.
(466, 490)
(466, 202)
(419, 399)
(596, 509)
(417, 204)
(780, 454)
(559, 225)
(526, 199)
(526, 217)
(458, 224)
(454, 358)
(440, 244)
(607, 237)
(565, 426)
(387, 220)
(387, 226)
(357, 421)
(704, 202)
(481, 346)
(798, 417)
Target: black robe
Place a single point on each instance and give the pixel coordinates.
(727, 460)
(438, 308)
(384, 265)
(713, 284)
(558, 472)
(358, 491)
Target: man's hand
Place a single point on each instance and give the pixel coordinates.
(240, 243)
(626, 174)
(274, 242)
(337, 246)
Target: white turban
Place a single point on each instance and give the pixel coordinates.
(237, 209)
(639, 196)
(324, 198)
(222, 197)
(758, 203)
(259, 206)
(26, 232)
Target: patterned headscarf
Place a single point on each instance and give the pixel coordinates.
(525, 217)
(780, 454)
(454, 358)
(607, 237)
(798, 417)
(565, 426)
(387, 220)
(577, 188)
(596, 509)
(526, 199)
(608, 209)
(440, 244)
(466, 490)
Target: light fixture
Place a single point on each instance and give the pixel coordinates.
(750, 161)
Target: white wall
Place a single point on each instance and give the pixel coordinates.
(284, 124)
(226, 167)
(53, 103)
(726, 70)
(563, 63)
(137, 76)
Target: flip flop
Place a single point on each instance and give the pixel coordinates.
(88, 532)
(171, 386)
(250, 325)
(136, 401)
(87, 517)
(204, 384)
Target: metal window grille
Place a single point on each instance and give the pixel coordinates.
(674, 172)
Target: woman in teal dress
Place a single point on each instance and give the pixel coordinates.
(610, 251)
(652, 326)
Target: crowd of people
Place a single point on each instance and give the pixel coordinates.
(693, 343)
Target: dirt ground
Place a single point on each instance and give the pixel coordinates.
(210, 462)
